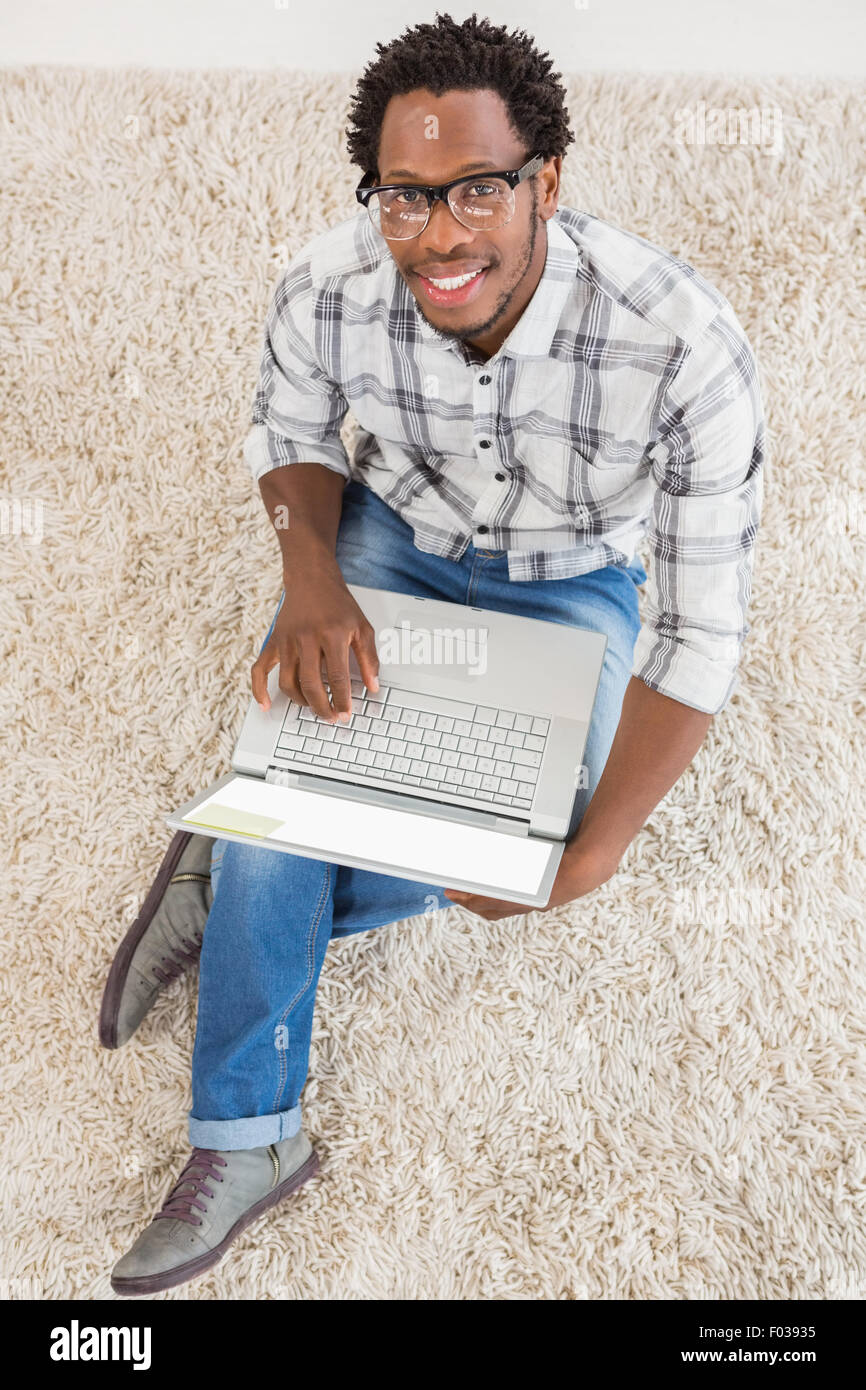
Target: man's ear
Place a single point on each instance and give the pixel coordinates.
(550, 177)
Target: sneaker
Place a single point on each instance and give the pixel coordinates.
(164, 940)
(218, 1194)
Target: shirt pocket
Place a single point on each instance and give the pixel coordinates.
(564, 478)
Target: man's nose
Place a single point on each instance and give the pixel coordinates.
(443, 230)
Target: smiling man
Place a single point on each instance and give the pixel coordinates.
(537, 391)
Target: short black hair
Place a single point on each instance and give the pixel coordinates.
(447, 57)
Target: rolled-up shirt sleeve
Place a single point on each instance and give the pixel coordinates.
(298, 409)
(707, 464)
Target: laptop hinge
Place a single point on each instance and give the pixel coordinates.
(401, 801)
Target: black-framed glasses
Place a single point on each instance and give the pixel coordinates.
(480, 202)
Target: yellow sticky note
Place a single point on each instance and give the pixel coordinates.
(220, 817)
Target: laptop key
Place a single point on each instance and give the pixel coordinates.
(526, 756)
(540, 726)
(290, 741)
(485, 715)
(523, 723)
(505, 719)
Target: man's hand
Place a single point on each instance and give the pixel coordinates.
(579, 873)
(317, 625)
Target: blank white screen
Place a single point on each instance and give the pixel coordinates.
(423, 844)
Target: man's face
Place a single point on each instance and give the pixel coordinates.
(471, 134)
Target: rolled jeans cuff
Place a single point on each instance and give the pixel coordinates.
(256, 1132)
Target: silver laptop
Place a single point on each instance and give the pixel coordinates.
(460, 771)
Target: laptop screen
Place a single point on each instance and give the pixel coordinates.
(320, 825)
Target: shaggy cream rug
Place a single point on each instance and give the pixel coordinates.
(655, 1094)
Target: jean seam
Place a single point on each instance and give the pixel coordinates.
(311, 940)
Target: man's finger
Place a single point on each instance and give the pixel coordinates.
(265, 662)
(339, 680)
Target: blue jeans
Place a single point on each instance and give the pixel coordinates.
(274, 913)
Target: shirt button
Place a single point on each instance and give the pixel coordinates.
(482, 530)
(484, 381)
(500, 477)
(484, 443)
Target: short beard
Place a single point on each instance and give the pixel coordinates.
(476, 330)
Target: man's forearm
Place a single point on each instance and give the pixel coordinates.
(304, 502)
(656, 740)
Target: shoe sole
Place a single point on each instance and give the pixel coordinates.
(155, 1283)
(111, 995)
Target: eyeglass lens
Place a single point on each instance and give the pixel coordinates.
(478, 204)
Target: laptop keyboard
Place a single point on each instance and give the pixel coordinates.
(398, 739)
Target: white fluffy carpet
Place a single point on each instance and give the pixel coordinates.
(655, 1094)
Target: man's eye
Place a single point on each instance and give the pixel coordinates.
(478, 190)
(408, 196)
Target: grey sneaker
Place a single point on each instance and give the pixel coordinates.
(164, 940)
(218, 1194)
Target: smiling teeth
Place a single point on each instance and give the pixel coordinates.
(455, 282)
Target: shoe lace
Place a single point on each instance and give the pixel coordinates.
(184, 959)
(200, 1167)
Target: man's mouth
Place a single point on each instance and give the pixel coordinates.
(453, 289)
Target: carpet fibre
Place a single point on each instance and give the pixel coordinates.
(654, 1093)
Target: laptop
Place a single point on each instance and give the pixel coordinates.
(460, 771)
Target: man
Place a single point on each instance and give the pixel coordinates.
(536, 390)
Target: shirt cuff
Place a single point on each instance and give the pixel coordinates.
(675, 669)
(265, 450)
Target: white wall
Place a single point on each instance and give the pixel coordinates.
(824, 37)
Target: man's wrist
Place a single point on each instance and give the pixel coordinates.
(307, 558)
(584, 856)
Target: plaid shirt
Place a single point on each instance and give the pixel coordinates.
(625, 402)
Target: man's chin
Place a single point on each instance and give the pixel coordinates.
(452, 329)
